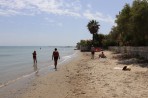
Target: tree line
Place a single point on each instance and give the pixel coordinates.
(132, 25)
(131, 28)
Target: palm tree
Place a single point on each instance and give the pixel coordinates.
(93, 27)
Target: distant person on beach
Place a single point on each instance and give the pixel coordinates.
(34, 57)
(92, 52)
(55, 56)
(102, 55)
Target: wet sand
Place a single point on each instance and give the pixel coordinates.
(84, 77)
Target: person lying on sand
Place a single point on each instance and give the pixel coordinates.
(102, 55)
(126, 68)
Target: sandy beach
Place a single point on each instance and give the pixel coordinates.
(84, 77)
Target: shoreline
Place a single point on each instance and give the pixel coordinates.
(17, 62)
(84, 77)
(87, 78)
(51, 78)
(20, 84)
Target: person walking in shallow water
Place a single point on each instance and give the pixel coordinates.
(55, 56)
(34, 57)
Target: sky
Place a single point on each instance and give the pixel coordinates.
(54, 22)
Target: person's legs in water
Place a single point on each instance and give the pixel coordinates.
(55, 62)
(34, 60)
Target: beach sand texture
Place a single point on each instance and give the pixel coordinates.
(84, 77)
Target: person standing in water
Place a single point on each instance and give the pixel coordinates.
(34, 57)
(55, 56)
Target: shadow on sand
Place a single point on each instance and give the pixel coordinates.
(129, 59)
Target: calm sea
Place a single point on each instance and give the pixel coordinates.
(17, 62)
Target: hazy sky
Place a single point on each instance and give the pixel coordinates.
(54, 22)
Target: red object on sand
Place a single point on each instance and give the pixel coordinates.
(98, 49)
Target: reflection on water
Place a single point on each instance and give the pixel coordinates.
(36, 69)
(55, 69)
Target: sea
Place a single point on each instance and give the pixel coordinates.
(16, 62)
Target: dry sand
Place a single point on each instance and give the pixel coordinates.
(97, 78)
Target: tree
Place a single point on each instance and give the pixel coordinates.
(132, 24)
(123, 25)
(98, 40)
(139, 21)
(93, 27)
